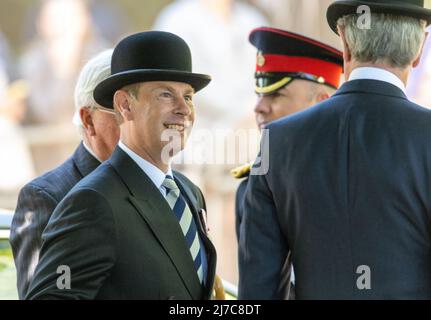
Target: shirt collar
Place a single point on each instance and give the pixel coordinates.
(377, 74)
(156, 175)
(91, 151)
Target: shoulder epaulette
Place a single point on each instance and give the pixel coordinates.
(241, 171)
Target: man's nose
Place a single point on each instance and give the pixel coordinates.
(262, 105)
(184, 107)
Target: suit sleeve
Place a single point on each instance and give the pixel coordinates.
(263, 250)
(34, 208)
(80, 236)
(239, 206)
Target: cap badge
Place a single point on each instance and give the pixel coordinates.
(260, 59)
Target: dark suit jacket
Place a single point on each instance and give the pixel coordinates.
(121, 240)
(349, 185)
(37, 201)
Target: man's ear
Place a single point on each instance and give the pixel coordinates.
(418, 59)
(86, 115)
(347, 55)
(122, 104)
(322, 96)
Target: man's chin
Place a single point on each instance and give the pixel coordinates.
(171, 149)
(262, 126)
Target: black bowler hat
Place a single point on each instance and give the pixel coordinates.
(284, 56)
(149, 56)
(410, 8)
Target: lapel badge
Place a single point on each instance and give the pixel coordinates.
(203, 219)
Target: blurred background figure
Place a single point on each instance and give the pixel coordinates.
(217, 33)
(65, 38)
(307, 17)
(6, 63)
(16, 166)
(110, 22)
(4, 48)
(3, 79)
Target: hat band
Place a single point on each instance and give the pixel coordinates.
(329, 72)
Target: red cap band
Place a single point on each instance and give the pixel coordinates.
(331, 72)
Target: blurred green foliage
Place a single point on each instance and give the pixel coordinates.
(7, 272)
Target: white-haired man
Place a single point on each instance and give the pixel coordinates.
(347, 191)
(37, 200)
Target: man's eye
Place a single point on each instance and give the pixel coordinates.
(188, 98)
(166, 94)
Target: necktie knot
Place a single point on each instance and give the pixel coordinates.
(169, 184)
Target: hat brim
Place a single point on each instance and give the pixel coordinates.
(341, 8)
(105, 90)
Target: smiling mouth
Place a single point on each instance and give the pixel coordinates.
(177, 127)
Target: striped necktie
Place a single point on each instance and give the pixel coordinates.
(182, 211)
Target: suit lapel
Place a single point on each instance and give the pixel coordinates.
(154, 209)
(84, 161)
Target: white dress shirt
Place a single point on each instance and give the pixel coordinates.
(156, 175)
(377, 74)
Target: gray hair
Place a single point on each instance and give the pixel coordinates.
(393, 39)
(95, 71)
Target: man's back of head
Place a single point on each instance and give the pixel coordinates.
(385, 34)
(392, 40)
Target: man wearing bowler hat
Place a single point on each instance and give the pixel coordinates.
(134, 229)
(347, 191)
